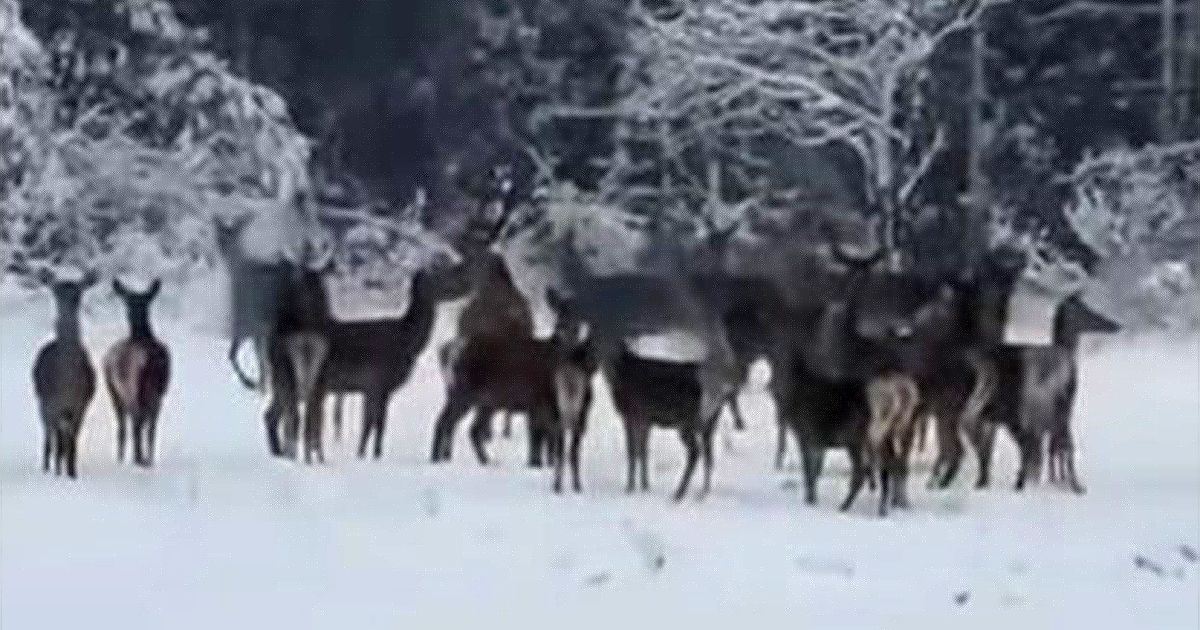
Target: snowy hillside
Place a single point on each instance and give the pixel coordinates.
(219, 535)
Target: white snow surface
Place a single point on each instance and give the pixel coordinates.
(220, 535)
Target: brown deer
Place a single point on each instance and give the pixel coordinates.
(496, 310)
(63, 377)
(548, 380)
(137, 370)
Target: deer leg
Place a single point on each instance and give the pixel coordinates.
(706, 453)
(780, 444)
(271, 419)
(119, 414)
(314, 420)
(481, 433)
(137, 422)
(69, 440)
(1062, 456)
(858, 477)
(1030, 445)
(539, 446)
(899, 495)
(692, 445)
(380, 424)
(950, 448)
(631, 456)
(457, 405)
(290, 423)
(47, 447)
(372, 407)
(576, 441)
(151, 437)
(885, 483)
(983, 438)
(122, 436)
(643, 448)
(811, 456)
(739, 422)
(59, 447)
(339, 401)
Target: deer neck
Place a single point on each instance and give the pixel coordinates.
(140, 328)
(66, 329)
(422, 309)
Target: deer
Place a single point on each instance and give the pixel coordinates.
(736, 302)
(297, 349)
(548, 380)
(965, 382)
(257, 290)
(63, 377)
(137, 370)
(837, 386)
(496, 309)
(1034, 397)
(651, 393)
(626, 305)
(376, 357)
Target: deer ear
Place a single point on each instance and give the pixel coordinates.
(90, 278)
(45, 276)
(119, 288)
(154, 288)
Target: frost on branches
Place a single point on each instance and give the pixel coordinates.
(144, 136)
(811, 72)
(1139, 210)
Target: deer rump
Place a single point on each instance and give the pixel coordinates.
(137, 372)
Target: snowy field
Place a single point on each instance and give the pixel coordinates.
(221, 536)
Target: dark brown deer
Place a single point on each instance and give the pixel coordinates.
(63, 377)
(838, 387)
(648, 393)
(623, 306)
(548, 380)
(963, 382)
(137, 370)
(375, 358)
(297, 350)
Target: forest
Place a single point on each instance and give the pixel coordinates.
(374, 128)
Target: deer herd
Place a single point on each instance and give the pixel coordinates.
(864, 362)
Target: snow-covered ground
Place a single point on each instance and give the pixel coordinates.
(219, 535)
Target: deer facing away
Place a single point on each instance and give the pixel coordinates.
(63, 377)
(137, 370)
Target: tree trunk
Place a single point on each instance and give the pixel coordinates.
(1168, 130)
(977, 211)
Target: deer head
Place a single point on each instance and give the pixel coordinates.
(137, 304)
(228, 234)
(68, 297)
(1074, 318)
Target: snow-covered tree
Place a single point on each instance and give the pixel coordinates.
(849, 73)
(1139, 211)
(150, 135)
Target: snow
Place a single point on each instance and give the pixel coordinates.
(219, 535)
